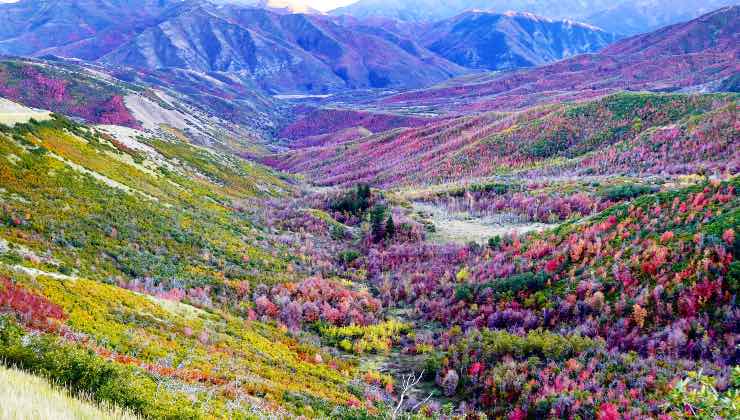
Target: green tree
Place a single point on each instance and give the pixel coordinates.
(390, 227)
(377, 219)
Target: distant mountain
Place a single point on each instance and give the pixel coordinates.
(698, 55)
(282, 52)
(493, 41)
(639, 16)
(277, 51)
(626, 17)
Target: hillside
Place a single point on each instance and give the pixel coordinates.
(90, 28)
(220, 112)
(635, 134)
(114, 219)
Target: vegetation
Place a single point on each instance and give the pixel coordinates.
(26, 397)
(171, 280)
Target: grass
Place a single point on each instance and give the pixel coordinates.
(25, 396)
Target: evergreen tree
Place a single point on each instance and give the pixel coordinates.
(363, 197)
(377, 217)
(390, 227)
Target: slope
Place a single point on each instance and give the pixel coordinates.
(622, 133)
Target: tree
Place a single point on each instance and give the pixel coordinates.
(377, 216)
(390, 227)
(363, 196)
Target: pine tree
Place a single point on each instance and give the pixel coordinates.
(363, 197)
(377, 216)
(390, 227)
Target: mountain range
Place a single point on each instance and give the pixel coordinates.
(626, 17)
(493, 41)
(281, 52)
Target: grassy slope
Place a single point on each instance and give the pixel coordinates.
(27, 397)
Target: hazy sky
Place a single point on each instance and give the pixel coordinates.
(326, 5)
(323, 5)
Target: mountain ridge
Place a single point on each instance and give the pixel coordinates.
(627, 17)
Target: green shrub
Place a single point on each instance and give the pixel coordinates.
(697, 394)
(349, 256)
(494, 242)
(84, 372)
(494, 344)
(354, 202)
(518, 282)
(627, 191)
(464, 292)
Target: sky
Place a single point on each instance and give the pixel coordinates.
(323, 5)
(326, 5)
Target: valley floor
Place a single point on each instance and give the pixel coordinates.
(464, 228)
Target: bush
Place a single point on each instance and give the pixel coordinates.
(494, 242)
(353, 202)
(697, 394)
(349, 256)
(627, 192)
(519, 282)
(84, 372)
(463, 292)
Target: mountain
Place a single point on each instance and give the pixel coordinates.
(273, 50)
(484, 40)
(638, 16)
(281, 52)
(37, 27)
(619, 16)
(286, 6)
(697, 55)
(534, 126)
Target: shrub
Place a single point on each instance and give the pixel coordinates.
(82, 371)
(519, 282)
(697, 395)
(369, 339)
(353, 202)
(349, 256)
(627, 192)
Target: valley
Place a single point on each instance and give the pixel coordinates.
(255, 210)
